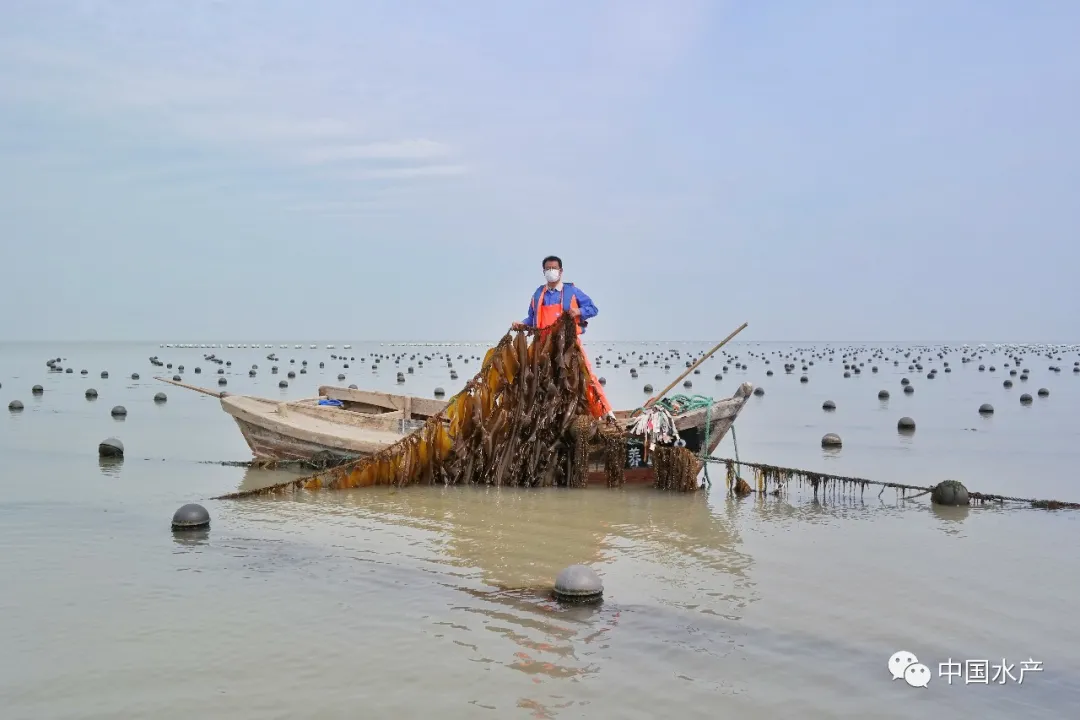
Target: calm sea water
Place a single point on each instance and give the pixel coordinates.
(428, 601)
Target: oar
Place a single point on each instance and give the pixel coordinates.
(656, 398)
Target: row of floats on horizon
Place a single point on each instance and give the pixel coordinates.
(1038, 347)
(313, 346)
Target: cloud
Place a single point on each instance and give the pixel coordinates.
(412, 172)
(212, 109)
(405, 149)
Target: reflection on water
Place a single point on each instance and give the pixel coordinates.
(110, 466)
(521, 538)
(191, 538)
(499, 550)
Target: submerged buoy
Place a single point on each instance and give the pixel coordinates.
(647, 388)
(37, 390)
(111, 447)
(15, 406)
(831, 440)
(905, 424)
(1025, 399)
(1043, 392)
(578, 584)
(191, 517)
(134, 376)
(951, 493)
(160, 397)
(91, 394)
(883, 394)
(986, 409)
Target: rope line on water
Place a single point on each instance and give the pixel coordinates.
(780, 475)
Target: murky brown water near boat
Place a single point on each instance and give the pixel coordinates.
(432, 600)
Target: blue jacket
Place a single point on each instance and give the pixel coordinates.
(551, 297)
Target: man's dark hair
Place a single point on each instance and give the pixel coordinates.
(551, 258)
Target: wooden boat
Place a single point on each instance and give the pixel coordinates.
(363, 422)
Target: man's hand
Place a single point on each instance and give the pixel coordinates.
(575, 312)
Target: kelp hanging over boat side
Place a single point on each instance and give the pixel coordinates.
(523, 420)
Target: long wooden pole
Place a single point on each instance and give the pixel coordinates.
(653, 400)
(220, 394)
(196, 388)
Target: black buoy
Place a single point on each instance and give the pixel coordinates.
(602, 380)
(439, 392)
(134, 376)
(37, 390)
(804, 379)
(1043, 392)
(176, 378)
(104, 374)
(119, 411)
(759, 391)
(111, 448)
(283, 384)
(15, 406)
(831, 440)
(883, 394)
(1025, 399)
(160, 397)
(340, 377)
(828, 405)
(906, 425)
(908, 389)
(191, 517)
(222, 381)
(647, 388)
(986, 409)
(578, 584)
(951, 493)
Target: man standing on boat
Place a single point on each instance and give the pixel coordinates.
(548, 303)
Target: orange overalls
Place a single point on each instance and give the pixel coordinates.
(546, 316)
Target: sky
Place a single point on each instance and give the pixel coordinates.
(255, 170)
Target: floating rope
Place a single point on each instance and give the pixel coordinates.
(780, 476)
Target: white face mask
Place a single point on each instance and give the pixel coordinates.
(552, 275)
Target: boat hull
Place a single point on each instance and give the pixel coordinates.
(268, 444)
(281, 432)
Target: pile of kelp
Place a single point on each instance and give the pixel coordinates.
(522, 421)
